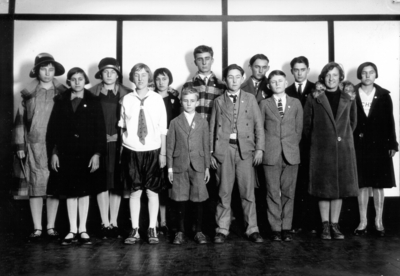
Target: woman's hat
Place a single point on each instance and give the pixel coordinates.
(109, 62)
(44, 59)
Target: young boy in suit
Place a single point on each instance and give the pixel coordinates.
(256, 84)
(282, 117)
(237, 144)
(188, 160)
(301, 87)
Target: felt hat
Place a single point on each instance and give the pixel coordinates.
(44, 59)
(108, 62)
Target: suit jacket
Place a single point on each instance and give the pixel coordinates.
(291, 91)
(249, 125)
(188, 144)
(282, 135)
(263, 91)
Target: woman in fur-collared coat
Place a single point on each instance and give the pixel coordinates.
(375, 143)
(330, 117)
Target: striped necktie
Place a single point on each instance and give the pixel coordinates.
(142, 126)
(280, 107)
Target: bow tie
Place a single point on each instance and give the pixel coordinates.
(76, 96)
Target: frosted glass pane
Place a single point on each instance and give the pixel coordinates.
(171, 45)
(280, 42)
(180, 7)
(72, 43)
(311, 7)
(4, 6)
(378, 42)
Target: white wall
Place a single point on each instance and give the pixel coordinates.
(3, 6)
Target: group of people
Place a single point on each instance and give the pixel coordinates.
(309, 144)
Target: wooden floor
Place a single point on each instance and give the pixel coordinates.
(305, 255)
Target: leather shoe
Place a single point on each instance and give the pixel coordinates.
(380, 233)
(361, 232)
(179, 238)
(326, 233)
(200, 238)
(256, 237)
(336, 234)
(83, 240)
(287, 236)
(219, 238)
(276, 236)
(68, 241)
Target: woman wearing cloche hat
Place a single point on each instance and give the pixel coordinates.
(30, 138)
(110, 91)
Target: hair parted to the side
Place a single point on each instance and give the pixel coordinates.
(258, 56)
(231, 67)
(203, 49)
(190, 91)
(76, 70)
(363, 65)
(138, 67)
(275, 73)
(328, 67)
(300, 59)
(36, 70)
(163, 71)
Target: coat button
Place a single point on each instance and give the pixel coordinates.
(219, 125)
(76, 135)
(361, 135)
(339, 139)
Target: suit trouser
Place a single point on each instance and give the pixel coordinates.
(233, 168)
(281, 185)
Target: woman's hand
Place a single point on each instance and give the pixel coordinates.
(171, 177)
(162, 160)
(21, 154)
(94, 163)
(55, 163)
(207, 175)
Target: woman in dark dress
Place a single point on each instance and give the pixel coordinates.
(330, 116)
(110, 91)
(163, 79)
(77, 136)
(375, 143)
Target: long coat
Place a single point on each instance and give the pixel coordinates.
(75, 138)
(374, 136)
(333, 168)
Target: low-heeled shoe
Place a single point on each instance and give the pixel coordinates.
(335, 231)
(179, 238)
(275, 236)
(83, 240)
(287, 236)
(219, 238)
(200, 238)
(66, 241)
(326, 233)
(256, 237)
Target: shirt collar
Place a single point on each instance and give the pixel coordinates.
(277, 98)
(105, 91)
(200, 76)
(236, 93)
(303, 84)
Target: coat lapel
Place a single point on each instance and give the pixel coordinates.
(288, 107)
(359, 103)
(224, 102)
(375, 99)
(195, 124)
(343, 102)
(183, 123)
(323, 100)
(272, 106)
(243, 102)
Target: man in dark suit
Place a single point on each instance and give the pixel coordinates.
(257, 83)
(301, 87)
(305, 206)
(237, 144)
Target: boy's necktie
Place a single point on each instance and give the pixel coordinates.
(234, 97)
(142, 126)
(299, 90)
(280, 107)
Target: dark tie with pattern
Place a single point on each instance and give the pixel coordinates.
(142, 126)
(256, 87)
(299, 90)
(280, 107)
(234, 97)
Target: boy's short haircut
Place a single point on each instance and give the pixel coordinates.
(190, 91)
(203, 49)
(276, 73)
(328, 67)
(138, 67)
(258, 56)
(163, 71)
(363, 65)
(232, 67)
(300, 59)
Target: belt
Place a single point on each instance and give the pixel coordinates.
(233, 141)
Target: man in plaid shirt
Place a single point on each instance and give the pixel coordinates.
(205, 82)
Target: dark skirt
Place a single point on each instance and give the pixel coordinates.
(142, 170)
(113, 167)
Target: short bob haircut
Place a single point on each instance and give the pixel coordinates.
(203, 49)
(330, 66)
(258, 56)
(190, 91)
(363, 65)
(300, 59)
(276, 73)
(163, 71)
(76, 70)
(232, 67)
(138, 67)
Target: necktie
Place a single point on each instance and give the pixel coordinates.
(280, 107)
(299, 89)
(142, 127)
(206, 80)
(256, 87)
(234, 97)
